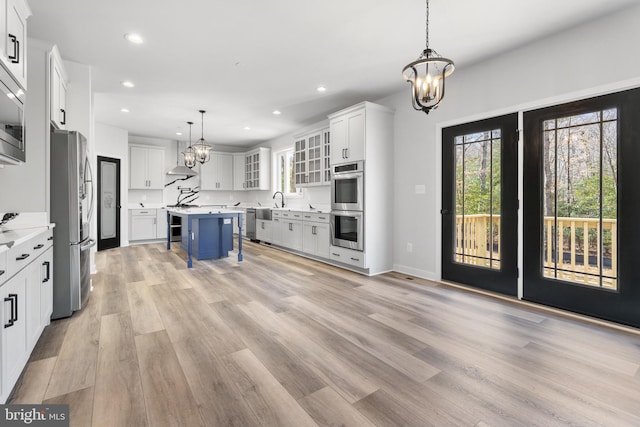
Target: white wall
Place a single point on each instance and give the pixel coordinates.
(25, 187)
(592, 59)
(114, 142)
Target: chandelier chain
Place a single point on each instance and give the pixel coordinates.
(427, 26)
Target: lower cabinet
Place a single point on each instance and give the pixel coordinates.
(347, 256)
(264, 230)
(287, 233)
(147, 224)
(315, 239)
(26, 305)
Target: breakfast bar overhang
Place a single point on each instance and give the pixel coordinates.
(207, 233)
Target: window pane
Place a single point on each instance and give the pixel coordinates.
(580, 199)
(478, 189)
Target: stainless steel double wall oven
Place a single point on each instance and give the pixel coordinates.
(347, 205)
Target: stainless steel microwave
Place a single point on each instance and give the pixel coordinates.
(12, 140)
(347, 187)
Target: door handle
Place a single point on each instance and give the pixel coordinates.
(444, 211)
(15, 58)
(10, 300)
(47, 266)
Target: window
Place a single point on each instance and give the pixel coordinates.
(285, 181)
(581, 197)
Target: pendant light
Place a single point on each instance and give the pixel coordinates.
(189, 154)
(427, 76)
(201, 147)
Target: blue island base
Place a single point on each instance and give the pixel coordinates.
(212, 238)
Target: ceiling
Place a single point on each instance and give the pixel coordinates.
(240, 60)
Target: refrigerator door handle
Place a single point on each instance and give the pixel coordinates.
(91, 243)
(89, 172)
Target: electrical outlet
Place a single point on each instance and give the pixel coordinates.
(409, 247)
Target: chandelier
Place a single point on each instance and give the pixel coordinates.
(201, 147)
(189, 154)
(427, 76)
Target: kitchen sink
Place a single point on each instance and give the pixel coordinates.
(263, 213)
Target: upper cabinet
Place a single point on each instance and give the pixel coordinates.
(217, 174)
(58, 90)
(312, 158)
(257, 169)
(347, 135)
(13, 30)
(146, 167)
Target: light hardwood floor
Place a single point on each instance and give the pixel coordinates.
(280, 340)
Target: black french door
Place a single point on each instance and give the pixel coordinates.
(108, 203)
(582, 205)
(480, 204)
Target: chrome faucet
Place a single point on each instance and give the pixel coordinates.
(282, 194)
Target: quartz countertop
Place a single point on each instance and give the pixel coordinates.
(10, 237)
(203, 210)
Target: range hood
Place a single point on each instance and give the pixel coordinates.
(181, 169)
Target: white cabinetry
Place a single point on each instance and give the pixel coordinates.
(315, 235)
(347, 136)
(58, 90)
(287, 229)
(264, 230)
(161, 223)
(217, 174)
(13, 27)
(142, 224)
(312, 159)
(146, 168)
(257, 169)
(26, 304)
(238, 172)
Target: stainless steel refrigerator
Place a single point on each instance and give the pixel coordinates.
(72, 194)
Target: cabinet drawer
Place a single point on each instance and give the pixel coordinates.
(347, 256)
(143, 212)
(315, 217)
(277, 214)
(19, 256)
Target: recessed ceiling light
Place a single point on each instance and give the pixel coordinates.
(179, 133)
(321, 89)
(276, 112)
(128, 83)
(134, 38)
(247, 128)
(124, 110)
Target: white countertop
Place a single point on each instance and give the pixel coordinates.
(9, 237)
(203, 210)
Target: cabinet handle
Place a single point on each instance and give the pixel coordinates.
(10, 300)
(22, 257)
(50, 238)
(47, 266)
(335, 254)
(355, 259)
(15, 58)
(322, 217)
(1, 272)
(64, 117)
(290, 227)
(13, 298)
(40, 246)
(346, 150)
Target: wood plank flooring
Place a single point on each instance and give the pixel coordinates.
(280, 340)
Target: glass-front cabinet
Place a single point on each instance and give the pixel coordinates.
(312, 158)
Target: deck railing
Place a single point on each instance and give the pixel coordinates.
(582, 256)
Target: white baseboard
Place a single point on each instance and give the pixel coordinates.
(423, 274)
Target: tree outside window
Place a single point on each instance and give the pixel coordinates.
(285, 181)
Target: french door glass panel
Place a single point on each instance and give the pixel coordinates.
(580, 198)
(478, 182)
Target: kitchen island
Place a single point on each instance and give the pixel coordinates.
(207, 233)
